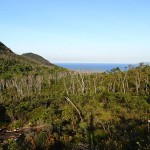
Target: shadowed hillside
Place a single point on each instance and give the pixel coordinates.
(4, 49)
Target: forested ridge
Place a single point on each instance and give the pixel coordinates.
(54, 108)
(37, 59)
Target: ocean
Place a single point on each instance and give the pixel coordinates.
(95, 67)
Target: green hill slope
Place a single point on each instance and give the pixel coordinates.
(37, 58)
(12, 65)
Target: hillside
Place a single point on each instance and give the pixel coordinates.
(4, 49)
(37, 58)
(44, 107)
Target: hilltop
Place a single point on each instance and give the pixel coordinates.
(37, 58)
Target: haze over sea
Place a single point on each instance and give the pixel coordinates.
(95, 67)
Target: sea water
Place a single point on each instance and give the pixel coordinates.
(95, 67)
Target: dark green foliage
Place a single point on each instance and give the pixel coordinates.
(2, 110)
(4, 118)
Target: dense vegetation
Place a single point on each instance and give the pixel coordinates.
(63, 109)
(37, 58)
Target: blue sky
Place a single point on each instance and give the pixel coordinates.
(116, 31)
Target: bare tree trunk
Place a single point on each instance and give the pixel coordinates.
(114, 87)
(127, 85)
(78, 111)
(83, 85)
(73, 86)
(66, 87)
(95, 89)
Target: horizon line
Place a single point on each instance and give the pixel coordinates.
(101, 62)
